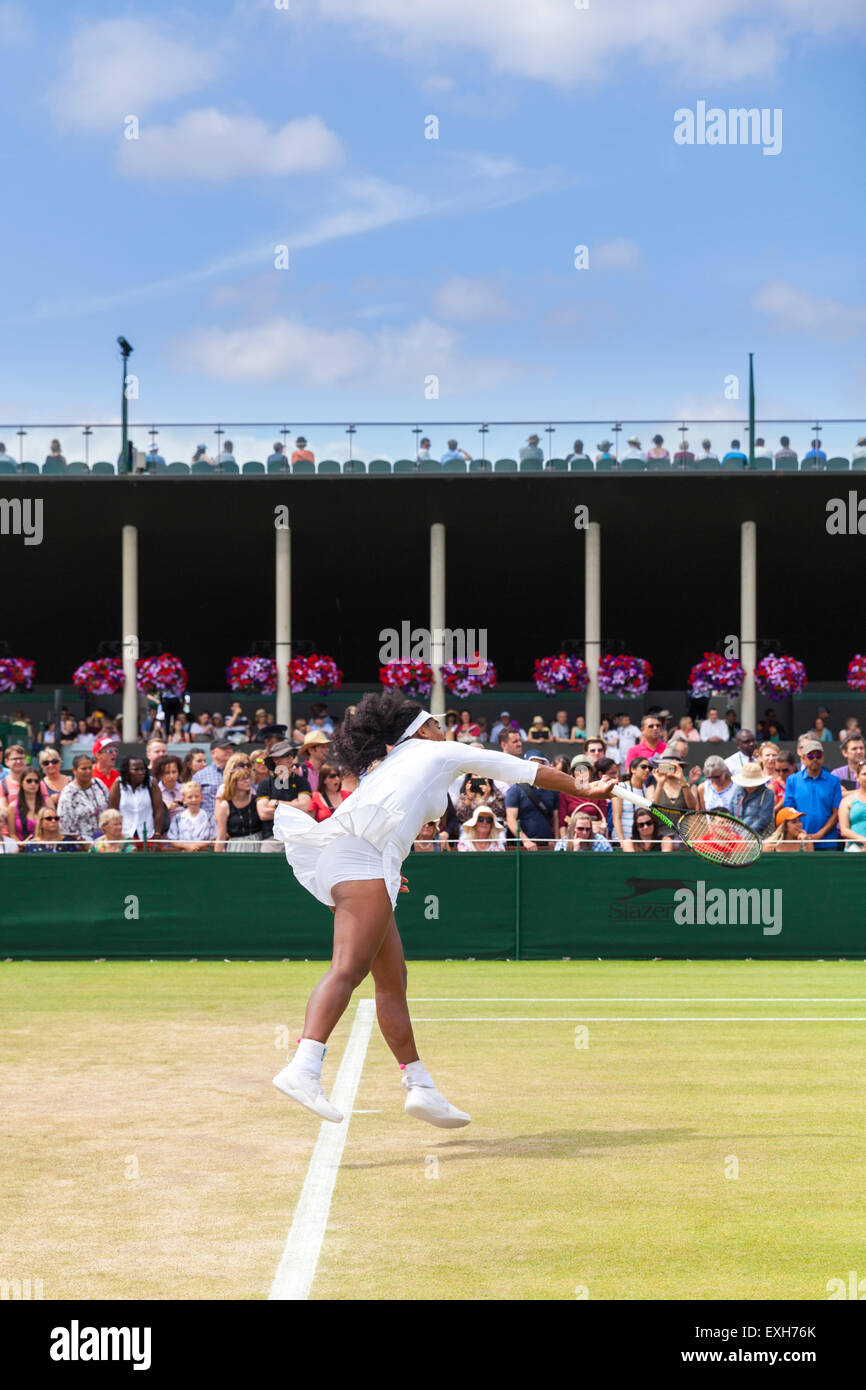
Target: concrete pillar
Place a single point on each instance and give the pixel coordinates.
(748, 619)
(592, 624)
(283, 640)
(129, 621)
(437, 614)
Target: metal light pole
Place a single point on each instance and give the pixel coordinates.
(125, 350)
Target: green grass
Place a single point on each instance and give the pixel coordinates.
(147, 1155)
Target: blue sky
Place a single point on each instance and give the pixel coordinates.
(411, 257)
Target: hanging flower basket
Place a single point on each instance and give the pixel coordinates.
(16, 673)
(161, 675)
(716, 674)
(468, 677)
(411, 677)
(553, 674)
(252, 673)
(103, 677)
(314, 672)
(624, 675)
(857, 672)
(778, 676)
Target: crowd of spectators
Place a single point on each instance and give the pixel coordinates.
(173, 801)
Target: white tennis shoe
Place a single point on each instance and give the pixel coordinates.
(426, 1103)
(306, 1088)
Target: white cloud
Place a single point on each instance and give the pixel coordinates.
(793, 310)
(16, 25)
(212, 146)
(620, 254)
(465, 297)
(552, 41)
(120, 67)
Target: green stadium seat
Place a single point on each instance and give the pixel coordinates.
(556, 466)
(786, 465)
(102, 468)
(605, 465)
(7, 467)
(253, 466)
(658, 465)
(812, 465)
(77, 468)
(761, 466)
(179, 467)
(480, 466)
(227, 466)
(632, 466)
(405, 466)
(734, 465)
(354, 466)
(858, 465)
(278, 465)
(583, 465)
(379, 466)
(430, 466)
(29, 468)
(453, 466)
(838, 465)
(52, 468)
(531, 465)
(709, 465)
(199, 467)
(329, 467)
(304, 467)
(505, 466)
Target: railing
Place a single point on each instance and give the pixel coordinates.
(383, 447)
(9, 845)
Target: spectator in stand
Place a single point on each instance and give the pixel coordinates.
(604, 455)
(538, 730)
(532, 813)
(53, 780)
(852, 815)
(531, 449)
(321, 718)
(731, 721)
(859, 452)
(104, 758)
(201, 728)
(467, 730)
(179, 733)
(7, 458)
(193, 762)
(746, 744)
(851, 726)
(713, 729)
(192, 829)
(273, 733)
(647, 833)
(137, 796)
(818, 795)
(330, 794)
(505, 722)
(816, 452)
(820, 731)
(155, 748)
(301, 453)
(767, 760)
(707, 455)
(237, 726)
(634, 450)
(651, 741)
(479, 791)
(424, 451)
(431, 840)
(687, 729)
(111, 840)
(82, 801)
(789, 834)
(763, 729)
(583, 771)
(786, 765)
(259, 724)
(719, 789)
(578, 730)
(23, 811)
(583, 832)
(48, 837)
(259, 770)
(754, 802)
(314, 752)
(153, 458)
(854, 751)
(279, 456)
(483, 832)
(300, 731)
(595, 749)
(238, 827)
(736, 453)
(483, 729)
(201, 456)
(55, 453)
(671, 791)
(10, 780)
(629, 734)
(453, 452)
(228, 454)
(658, 451)
(210, 777)
(786, 452)
(577, 454)
(166, 774)
(68, 728)
(286, 782)
(761, 450)
(559, 730)
(684, 453)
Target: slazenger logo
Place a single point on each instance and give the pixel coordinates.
(76, 1343)
(628, 908)
(22, 518)
(722, 907)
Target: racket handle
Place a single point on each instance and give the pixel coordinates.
(626, 794)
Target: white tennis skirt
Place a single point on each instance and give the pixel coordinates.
(342, 858)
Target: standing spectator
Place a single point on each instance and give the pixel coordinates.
(532, 812)
(629, 733)
(634, 450)
(816, 452)
(193, 762)
(285, 783)
(754, 803)
(671, 791)
(531, 449)
(111, 841)
(301, 452)
(713, 729)
(237, 725)
(166, 774)
(104, 758)
(745, 753)
(330, 794)
(736, 453)
(453, 452)
(768, 756)
(82, 801)
(192, 829)
(22, 813)
(719, 789)
(238, 827)
(818, 795)
(314, 752)
(482, 832)
(623, 812)
(684, 453)
(155, 748)
(583, 771)
(854, 751)
(852, 815)
(610, 738)
(578, 453)
(658, 451)
(138, 798)
(651, 742)
(559, 730)
(210, 777)
(279, 456)
(786, 452)
(707, 455)
(53, 780)
(10, 781)
(55, 453)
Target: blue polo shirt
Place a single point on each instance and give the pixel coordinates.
(816, 797)
(537, 824)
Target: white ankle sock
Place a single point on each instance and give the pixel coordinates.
(309, 1055)
(416, 1074)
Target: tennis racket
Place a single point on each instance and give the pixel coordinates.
(714, 835)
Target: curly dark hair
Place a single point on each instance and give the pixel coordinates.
(378, 722)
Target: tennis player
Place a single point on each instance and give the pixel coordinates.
(352, 863)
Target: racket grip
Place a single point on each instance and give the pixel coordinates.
(626, 794)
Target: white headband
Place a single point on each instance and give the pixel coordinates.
(415, 725)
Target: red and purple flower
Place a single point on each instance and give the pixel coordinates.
(555, 673)
(716, 674)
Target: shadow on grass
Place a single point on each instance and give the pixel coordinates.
(549, 1144)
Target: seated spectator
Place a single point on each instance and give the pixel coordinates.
(582, 769)
(604, 455)
(859, 452)
(201, 455)
(707, 455)
(852, 815)
(820, 731)
(228, 454)
(746, 744)
(763, 729)
(532, 813)
(731, 721)
(538, 730)
(818, 795)
(559, 730)
(112, 841)
(467, 729)
(786, 765)
(192, 829)
(178, 733)
(719, 789)
(578, 730)
(483, 832)
(647, 833)
(237, 820)
(483, 729)
(10, 780)
(48, 837)
(287, 783)
(55, 453)
(7, 458)
(201, 728)
(478, 791)
(453, 452)
(687, 729)
(301, 452)
(137, 796)
(166, 774)
(761, 450)
(505, 722)
(786, 452)
(450, 723)
(210, 776)
(424, 451)
(237, 725)
(531, 449)
(193, 762)
(82, 801)
(735, 452)
(279, 456)
(609, 735)
(259, 770)
(260, 722)
(651, 741)
(816, 452)
(713, 729)
(330, 794)
(300, 731)
(23, 811)
(853, 751)
(789, 833)
(53, 780)
(583, 832)
(633, 449)
(629, 733)
(658, 451)
(68, 728)
(754, 802)
(153, 458)
(595, 749)
(320, 718)
(577, 454)
(431, 840)
(684, 453)
(767, 757)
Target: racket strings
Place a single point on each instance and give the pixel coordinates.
(718, 839)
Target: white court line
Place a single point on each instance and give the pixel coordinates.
(652, 1018)
(642, 999)
(297, 1268)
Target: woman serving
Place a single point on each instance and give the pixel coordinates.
(351, 862)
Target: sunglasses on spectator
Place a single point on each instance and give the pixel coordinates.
(644, 822)
(50, 762)
(50, 817)
(814, 755)
(241, 765)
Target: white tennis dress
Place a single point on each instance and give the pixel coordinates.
(371, 833)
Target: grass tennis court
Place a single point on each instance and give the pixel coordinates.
(146, 1154)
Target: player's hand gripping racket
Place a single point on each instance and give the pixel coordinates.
(714, 835)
